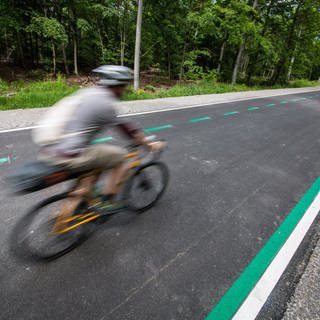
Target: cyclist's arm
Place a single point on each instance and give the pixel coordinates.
(132, 132)
(137, 135)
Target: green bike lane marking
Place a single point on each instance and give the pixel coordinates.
(7, 159)
(230, 113)
(106, 139)
(269, 105)
(253, 108)
(4, 160)
(238, 292)
(101, 140)
(167, 126)
(200, 119)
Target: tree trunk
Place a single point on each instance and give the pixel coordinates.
(223, 47)
(6, 41)
(256, 60)
(293, 57)
(310, 73)
(123, 33)
(169, 68)
(241, 49)
(237, 64)
(73, 26)
(137, 46)
(287, 49)
(21, 56)
(37, 51)
(75, 55)
(32, 50)
(182, 61)
(53, 58)
(101, 43)
(66, 68)
(122, 47)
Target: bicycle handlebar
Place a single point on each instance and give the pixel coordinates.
(155, 155)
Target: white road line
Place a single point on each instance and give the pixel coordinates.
(260, 293)
(18, 129)
(180, 108)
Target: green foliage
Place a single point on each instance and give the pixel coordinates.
(46, 93)
(150, 88)
(3, 86)
(198, 88)
(185, 39)
(193, 71)
(37, 95)
(49, 28)
(300, 83)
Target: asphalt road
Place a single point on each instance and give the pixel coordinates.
(237, 171)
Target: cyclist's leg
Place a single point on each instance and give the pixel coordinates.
(117, 175)
(99, 157)
(105, 157)
(82, 190)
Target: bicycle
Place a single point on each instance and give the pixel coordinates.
(49, 235)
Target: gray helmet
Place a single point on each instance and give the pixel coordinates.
(112, 75)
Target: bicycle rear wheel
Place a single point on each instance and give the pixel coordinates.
(145, 187)
(34, 236)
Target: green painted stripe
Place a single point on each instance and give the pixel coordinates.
(230, 113)
(283, 102)
(200, 119)
(238, 292)
(101, 140)
(269, 105)
(158, 128)
(253, 108)
(4, 160)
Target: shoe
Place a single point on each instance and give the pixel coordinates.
(106, 207)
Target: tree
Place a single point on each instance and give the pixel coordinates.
(50, 29)
(250, 29)
(137, 46)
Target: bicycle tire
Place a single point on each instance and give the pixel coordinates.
(23, 248)
(130, 201)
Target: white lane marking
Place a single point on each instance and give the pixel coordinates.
(180, 108)
(18, 129)
(260, 293)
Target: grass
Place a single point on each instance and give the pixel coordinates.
(188, 90)
(34, 95)
(46, 93)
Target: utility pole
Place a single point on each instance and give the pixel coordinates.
(137, 47)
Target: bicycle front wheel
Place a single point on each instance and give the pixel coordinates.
(34, 236)
(145, 187)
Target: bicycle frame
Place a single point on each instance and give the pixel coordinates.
(62, 221)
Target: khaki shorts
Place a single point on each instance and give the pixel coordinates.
(101, 157)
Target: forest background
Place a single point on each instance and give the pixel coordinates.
(49, 47)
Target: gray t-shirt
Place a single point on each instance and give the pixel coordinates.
(95, 111)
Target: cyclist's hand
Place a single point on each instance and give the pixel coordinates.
(157, 146)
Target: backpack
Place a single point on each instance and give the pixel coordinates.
(51, 127)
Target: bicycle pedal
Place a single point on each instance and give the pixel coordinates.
(109, 212)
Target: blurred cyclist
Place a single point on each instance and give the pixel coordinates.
(69, 127)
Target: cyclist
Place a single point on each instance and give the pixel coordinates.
(70, 126)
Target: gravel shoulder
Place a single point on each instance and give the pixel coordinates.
(304, 304)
